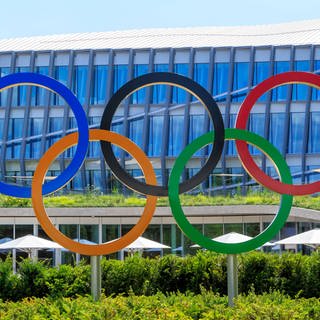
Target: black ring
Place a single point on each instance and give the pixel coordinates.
(171, 79)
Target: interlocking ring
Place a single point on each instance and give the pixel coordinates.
(55, 86)
(192, 87)
(243, 115)
(150, 189)
(195, 235)
(40, 211)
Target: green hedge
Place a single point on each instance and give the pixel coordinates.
(205, 306)
(292, 274)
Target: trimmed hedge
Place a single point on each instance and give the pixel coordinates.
(206, 306)
(291, 274)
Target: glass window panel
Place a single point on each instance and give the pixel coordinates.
(23, 230)
(240, 80)
(200, 75)
(213, 230)
(314, 133)
(233, 227)
(231, 144)
(251, 229)
(94, 181)
(155, 135)
(110, 232)
(79, 82)
(220, 79)
(180, 95)
(139, 97)
(276, 134)
(135, 131)
(256, 125)
(14, 132)
(300, 91)
(280, 93)
(120, 76)
(315, 91)
(4, 94)
(99, 84)
(19, 93)
(261, 72)
(60, 74)
(296, 132)
(38, 94)
(89, 232)
(175, 135)
(118, 128)
(196, 129)
(172, 237)
(159, 90)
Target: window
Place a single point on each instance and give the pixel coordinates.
(38, 94)
(54, 125)
(94, 179)
(314, 133)
(19, 93)
(296, 132)
(315, 91)
(256, 125)
(99, 85)
(60, 74)
(200, 75)
(120, 76)
(118, 128)
(276, 133)
(280, 93)
(94, 146)
(139, 97)
(261, 72)
(4, 94)
(155, 136)
(240, 80)
(33, 147)
(14, 132)
(179, 95)
(160, 90)
(79, 82)
(220, 79)
(135, 131)
(300, 91)
(231, 144)
(175, 135)
(196, 129)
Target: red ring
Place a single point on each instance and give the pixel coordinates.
(241, 123)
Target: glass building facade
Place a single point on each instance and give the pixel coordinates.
(160, 119)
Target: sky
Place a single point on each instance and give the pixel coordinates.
(23, 18)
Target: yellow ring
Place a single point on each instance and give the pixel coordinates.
(46, 223)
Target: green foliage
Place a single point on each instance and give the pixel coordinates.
(205, 306)
(92, 199)
(292, 274)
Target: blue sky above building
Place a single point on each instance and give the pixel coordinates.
(36, 17)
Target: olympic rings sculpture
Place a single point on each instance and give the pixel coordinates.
(150, 189)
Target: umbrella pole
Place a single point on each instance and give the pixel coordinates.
(232, 275)
(95, 277)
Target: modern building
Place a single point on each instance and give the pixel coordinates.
(162, 120)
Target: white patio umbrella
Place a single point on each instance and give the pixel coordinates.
(144, 243)
(29, 244)
(311, 238)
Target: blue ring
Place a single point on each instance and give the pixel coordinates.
(80, 115)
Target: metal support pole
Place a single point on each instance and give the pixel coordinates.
(232, 273)
(95, 277)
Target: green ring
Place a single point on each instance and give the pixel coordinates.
(195, 235)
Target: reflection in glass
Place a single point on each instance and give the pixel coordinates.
(314, 133)
(79, 82)
(179, 95)
(155, 136)
(160, 90)
(99, 84)
(240, 80)
(280, 93)
(296, 130)
(276, 133)
(175, 135)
